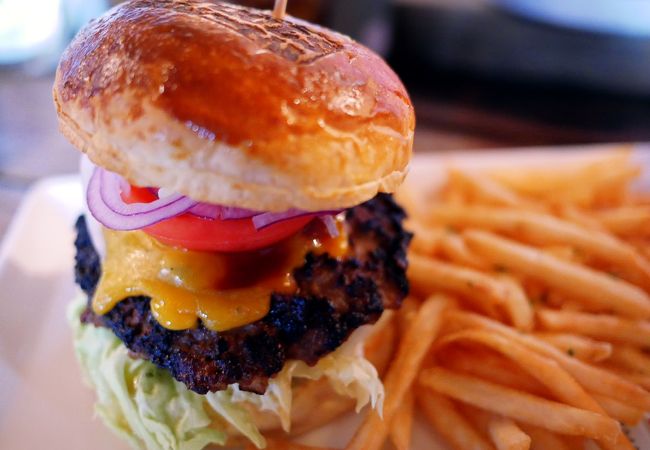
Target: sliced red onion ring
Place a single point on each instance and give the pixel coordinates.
(263, 220)
(111, 187)
(330, 223)
(221, 212)
(105, 203)
(114, 213)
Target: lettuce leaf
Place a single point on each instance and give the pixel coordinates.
(152, 411)
(137, 400)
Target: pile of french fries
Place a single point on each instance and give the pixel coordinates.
(529, 320)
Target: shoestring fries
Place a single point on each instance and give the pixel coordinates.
(544, 338)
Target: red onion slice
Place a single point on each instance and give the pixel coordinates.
(330, 223)
(121, 217)
(263, 220)
(111, 187)
(230, 212)
(105, 203)
(221, 212)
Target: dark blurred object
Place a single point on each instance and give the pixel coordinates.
(481, 77)
(367, 21)
(305, 9)
(310, 10)
(476, 36)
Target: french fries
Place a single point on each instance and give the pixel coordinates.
(400, 428)
(449, 423)
(581, 347)
(406, 314)
(626, 220)
(284, 444)
(619, 410)
(492, 368)
(598, 326)
(558, 382)
(477, 417)
(542, 439)
(507, 435)
(578, 281)
(412, 350)
(579, 182)
(453, 247)
(521, 406)
(486, 292)
(594, 379)
(633, 377)
(545, 370)
(502, 432)
(544, 229)
(430, 276)
(631, 358)
(544, 342)
(426, 241)
(516, 304)
(487, 189)
(579, 217)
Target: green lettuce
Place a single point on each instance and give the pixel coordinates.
(152, 411)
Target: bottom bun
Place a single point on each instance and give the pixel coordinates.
(315, 403)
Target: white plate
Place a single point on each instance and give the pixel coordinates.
(43, 403)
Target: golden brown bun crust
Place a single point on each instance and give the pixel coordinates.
(228, 105)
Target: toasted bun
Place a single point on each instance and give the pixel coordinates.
(228, 105)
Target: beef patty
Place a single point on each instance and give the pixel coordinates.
(333, 298)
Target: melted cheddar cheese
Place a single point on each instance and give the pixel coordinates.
(224, 290)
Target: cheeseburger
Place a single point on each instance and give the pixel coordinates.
(240, 239)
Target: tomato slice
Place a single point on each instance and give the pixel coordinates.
(198, 233)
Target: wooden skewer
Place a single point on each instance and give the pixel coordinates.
(280, 9)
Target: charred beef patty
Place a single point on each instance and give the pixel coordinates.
(333, 299)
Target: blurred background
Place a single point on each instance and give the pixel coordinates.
(482, 73)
